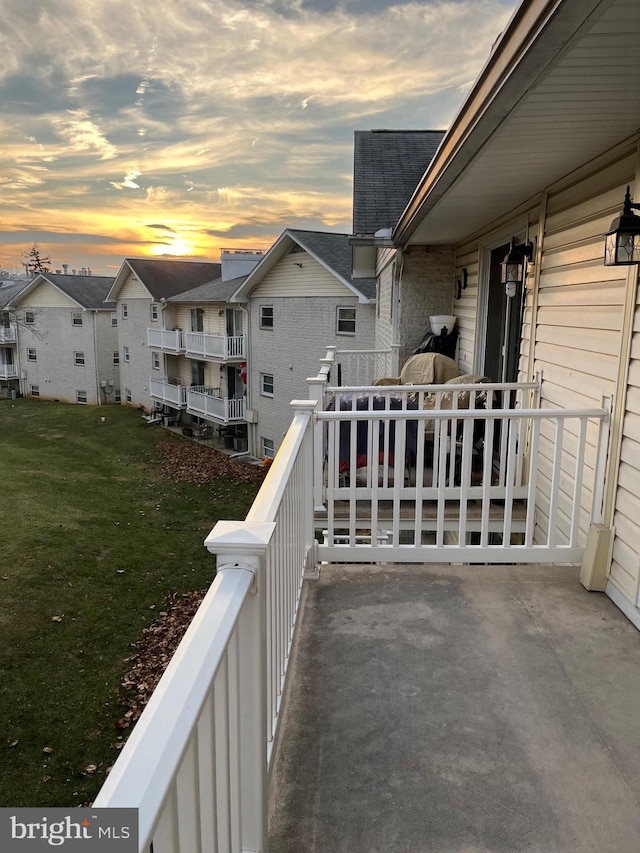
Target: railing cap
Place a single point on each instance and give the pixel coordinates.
(303, 405)
(229, 538)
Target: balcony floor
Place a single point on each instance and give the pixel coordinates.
(455, 709)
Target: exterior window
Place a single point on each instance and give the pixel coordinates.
(266, 316)
(155, 360)
(127, 394)
(29, 318)
(81, 396)
(154, 312)
(78, 358)
(125, 354)
(31, 355)
(117, 396)
(76, 318)
(34, 390)
(116, 357)
(267, 447)
(266, 384)
(125, 310)
(346, 321)
(114, 319)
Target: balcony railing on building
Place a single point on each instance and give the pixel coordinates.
(168, 340)
(428, 477)
(8, 371)
(8, 335)
(207, 402)
(168, 391)
(215, 347)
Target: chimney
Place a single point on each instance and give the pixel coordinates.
(65, 267)
(237, 262)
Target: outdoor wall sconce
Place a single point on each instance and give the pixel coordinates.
(513, 265)
(461, 283)
(622, 242)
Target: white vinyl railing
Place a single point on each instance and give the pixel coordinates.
(168, 392)
(165, 339)
(223, 347)
(363, 367)
(8, 334)
(207, 403)
(408, 483)
(196, 765)
(8, 371)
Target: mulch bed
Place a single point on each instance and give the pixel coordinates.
(153, 652)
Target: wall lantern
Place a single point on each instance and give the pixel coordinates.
(462, 283)
(513, 265)
(622, 243)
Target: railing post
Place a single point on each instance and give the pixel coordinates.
(601, 462)
(241, 546)
(317, 385)
(309, 457)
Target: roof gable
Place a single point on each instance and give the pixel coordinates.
(332, 251)
(85, 291)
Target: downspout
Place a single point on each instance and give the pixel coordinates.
(95, 355)
(398, 268)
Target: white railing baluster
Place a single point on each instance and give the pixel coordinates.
(556, 476)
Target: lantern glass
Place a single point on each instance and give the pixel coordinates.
(622, 247)
(511, 271)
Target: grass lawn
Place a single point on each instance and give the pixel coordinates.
(93, 536)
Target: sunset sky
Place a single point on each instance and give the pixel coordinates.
(183, 126)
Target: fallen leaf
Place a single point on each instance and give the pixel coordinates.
(14, 743)
(91, 768)
(48, 749)
(57, 618)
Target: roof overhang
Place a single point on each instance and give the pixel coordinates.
(561, 87)
(364, 252)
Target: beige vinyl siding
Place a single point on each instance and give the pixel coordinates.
(465, 309)
(214, 323)
(311, 279)
(133, 288)
(625, 565)
(46, 295)
(580, 315)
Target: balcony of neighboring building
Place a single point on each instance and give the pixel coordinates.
(220, 348)
(168, 391)
(207, 402)
(167, 340)
(8, 335)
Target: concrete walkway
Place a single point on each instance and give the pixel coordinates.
(456, 709)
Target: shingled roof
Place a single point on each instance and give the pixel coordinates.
(164, 279)
(387, 166)
(212, 291)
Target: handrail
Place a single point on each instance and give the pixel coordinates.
(145, 771)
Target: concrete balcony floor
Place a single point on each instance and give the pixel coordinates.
(455, 709)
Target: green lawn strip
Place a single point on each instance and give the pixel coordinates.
(94, 541)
